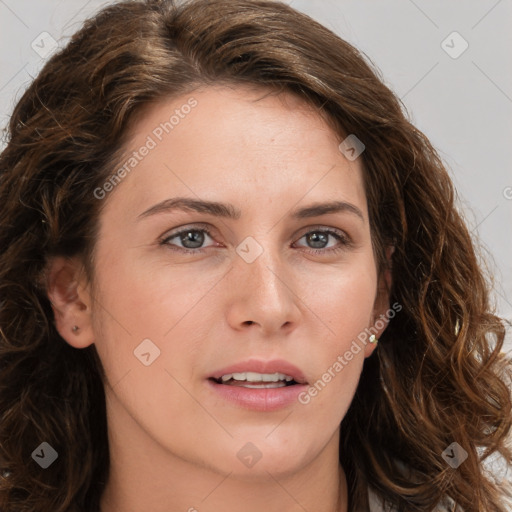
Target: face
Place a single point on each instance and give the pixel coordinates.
(268, 291)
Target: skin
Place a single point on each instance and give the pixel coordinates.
(173, 441)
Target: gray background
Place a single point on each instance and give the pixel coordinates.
(463, 104)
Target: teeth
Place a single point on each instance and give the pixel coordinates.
(257, 377)
(265, 386)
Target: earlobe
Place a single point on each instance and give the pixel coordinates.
(70, 302)
(380, 318)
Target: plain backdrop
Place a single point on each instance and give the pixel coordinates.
(449, 61)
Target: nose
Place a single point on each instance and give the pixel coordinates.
(263, 295)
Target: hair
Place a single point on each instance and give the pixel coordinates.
(438, 376)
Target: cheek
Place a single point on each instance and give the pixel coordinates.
(144, 299)
(346, 310)
(135, 303)
(347, 301)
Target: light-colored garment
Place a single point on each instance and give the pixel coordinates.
(376, 505)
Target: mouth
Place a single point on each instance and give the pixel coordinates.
(259, 385)
(254, 373)
(254, 380)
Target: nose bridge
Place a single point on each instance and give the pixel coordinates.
(259, 264)
(262, 287)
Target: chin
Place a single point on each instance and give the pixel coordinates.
(257, 458)
(274, 466)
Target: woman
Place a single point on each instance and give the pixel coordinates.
(233, 278)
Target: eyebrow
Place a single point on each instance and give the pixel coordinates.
(228, 211)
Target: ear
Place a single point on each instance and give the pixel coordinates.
(69, 295)
(380, 318)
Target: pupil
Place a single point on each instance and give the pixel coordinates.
(191, 236)
(316, 238)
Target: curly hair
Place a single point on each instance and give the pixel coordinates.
(439, 376)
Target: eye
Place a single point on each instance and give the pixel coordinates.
(319, 239)
(191, 238)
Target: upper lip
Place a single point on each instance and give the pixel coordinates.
(259, 366)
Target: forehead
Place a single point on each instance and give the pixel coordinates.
(236, 141)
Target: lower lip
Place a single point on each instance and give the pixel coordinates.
(264, 399)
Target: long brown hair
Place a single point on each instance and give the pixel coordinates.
(437, 378)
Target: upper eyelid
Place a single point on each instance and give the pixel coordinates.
(194, 227)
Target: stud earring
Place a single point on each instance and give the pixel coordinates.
(457, 327)
(75, 329)
(373, 339)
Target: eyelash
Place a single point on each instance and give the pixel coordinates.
(345, 241)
